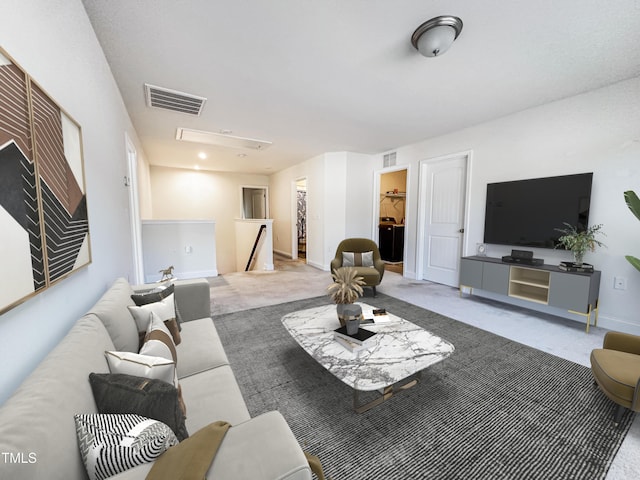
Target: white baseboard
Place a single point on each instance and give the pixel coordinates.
(317, 265)
(618, 325)
(409, 274)
(283, 253)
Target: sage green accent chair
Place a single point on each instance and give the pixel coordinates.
(616, 370)
(372, 275)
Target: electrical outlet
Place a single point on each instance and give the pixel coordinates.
(620, 283)
(188, 249)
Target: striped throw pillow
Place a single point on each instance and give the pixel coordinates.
(357, 259)
(112, 443)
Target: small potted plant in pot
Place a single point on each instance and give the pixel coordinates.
(579, 242)
(345, 289)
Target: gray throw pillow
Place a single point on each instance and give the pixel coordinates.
(120, 393)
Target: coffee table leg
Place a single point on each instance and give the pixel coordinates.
(385, 395)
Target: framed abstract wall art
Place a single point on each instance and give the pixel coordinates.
(44, 227)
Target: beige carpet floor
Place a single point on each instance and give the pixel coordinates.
(290, 280)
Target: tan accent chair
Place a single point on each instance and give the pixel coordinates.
(616, 370)
(372, 275)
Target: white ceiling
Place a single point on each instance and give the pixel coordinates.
(316, 76)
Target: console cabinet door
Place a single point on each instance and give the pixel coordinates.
(570, 292)
(495, 278)
(471, 273)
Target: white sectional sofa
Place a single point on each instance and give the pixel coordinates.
(37, 423)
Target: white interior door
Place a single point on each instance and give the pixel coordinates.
(444, 186)
(259, 200)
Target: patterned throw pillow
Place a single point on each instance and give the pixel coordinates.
(357, 259)
(111, 444)
(158, 341)
(165, 309)
(119, 393)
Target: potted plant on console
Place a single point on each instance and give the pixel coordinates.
(579, 242)
(345, 289)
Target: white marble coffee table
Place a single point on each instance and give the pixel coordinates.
(401, 350)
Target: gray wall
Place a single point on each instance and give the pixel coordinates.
(54, 42)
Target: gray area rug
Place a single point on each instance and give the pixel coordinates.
(495, 409)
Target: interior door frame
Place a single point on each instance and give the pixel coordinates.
(423, 204)
(294, 217)
(131, 181)
(407, 207)
(255, 187)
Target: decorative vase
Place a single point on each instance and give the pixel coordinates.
(352, 316)
(340, 311)
(578, 257)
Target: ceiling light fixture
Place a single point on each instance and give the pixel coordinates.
(435, 36)
(202, 156)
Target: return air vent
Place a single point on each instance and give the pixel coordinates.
(389, 159)
(224, 140)
(159, 97)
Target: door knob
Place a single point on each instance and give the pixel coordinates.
(461, 230)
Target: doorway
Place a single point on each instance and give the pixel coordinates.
(301, 218)
(441, 218)
(131, 181)
(254, 202)
(391, 227)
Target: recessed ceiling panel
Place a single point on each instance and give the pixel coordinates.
(211, 138)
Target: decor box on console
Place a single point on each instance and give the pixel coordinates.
(37, 423)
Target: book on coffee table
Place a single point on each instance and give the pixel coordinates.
(352, 347)
(362, 337)
(373, 316)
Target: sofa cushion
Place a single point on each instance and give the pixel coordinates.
(38, 417)
(112, 310)
(213, 395)
(163, 308)
(249, 451)
(370, 275)
(200, 349)
(119, 393)
(141, 365)
(357, 259)
(112, 443)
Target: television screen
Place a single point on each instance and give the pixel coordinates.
(527, 213)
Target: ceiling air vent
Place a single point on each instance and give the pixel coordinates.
(389, 160)
(168, 99)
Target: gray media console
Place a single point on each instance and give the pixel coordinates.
(575, 292)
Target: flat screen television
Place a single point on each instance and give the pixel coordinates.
(526, 213)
